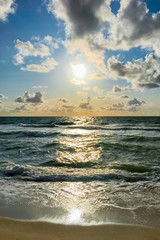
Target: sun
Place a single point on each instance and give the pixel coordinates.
(79, 70)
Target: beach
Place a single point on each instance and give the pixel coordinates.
(29, 230)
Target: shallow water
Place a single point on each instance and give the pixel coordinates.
(81, 170)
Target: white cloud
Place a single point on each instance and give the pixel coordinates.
(78, 82)
(6, 7)
(26, 49)
(45, 66)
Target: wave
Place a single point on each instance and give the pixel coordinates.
(140, 139)
(132, 168)
(36, 174)
(70, 165)
(117, 129)
(29, 134)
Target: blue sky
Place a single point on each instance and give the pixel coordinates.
(79, 57)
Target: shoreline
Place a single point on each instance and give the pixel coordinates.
(12, 229)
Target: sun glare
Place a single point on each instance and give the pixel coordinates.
(74, 216)
(79, 70)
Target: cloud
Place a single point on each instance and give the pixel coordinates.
(117, 107)
(133, 26)
(85, 104)
(130, 106)
(78, 82)
(98, 90)
(135, 102)
(80, 17)
(65, 105)
(36, 98)
(81, 94)
(125, 97)
(21, 108)
(92, 28)
(51, 42)
(45, 66)
(2, 96)
(6, 7)
(117, 89)
(141, 73)
(100, 97)
(97, 76)
(63, 100)
(26, 49)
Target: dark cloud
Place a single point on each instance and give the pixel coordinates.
(21, 108)
(135, 26)
(1, 96)
(85, 104)
(19, 99)
(141, 73)
(80, 15)
(135, 102)
(63, 100)
(117, 89)
(36, 98)
(125, 96)
(117, 107)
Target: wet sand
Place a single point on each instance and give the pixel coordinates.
(28, 230)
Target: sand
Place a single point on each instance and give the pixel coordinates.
(26, 230)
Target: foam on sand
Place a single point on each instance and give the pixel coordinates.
(29, 230)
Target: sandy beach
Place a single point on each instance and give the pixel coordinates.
(26, 230)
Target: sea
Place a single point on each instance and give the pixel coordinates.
(81, 170)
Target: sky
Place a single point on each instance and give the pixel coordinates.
(79, 58)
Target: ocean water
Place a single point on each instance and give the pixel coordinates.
(81, 170)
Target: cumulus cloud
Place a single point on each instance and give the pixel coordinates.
(45, 66)
(21, 108)
(133, 26)
(63, 100)
(80, 17)
(135, 102)
(36, 98)
(117, 107)
(85, 104)
(65, 105)
(130, 106)
(124, 96)
(51, 42)
(117, 89)
(6, 7)
(26, 49)
(92, 28)
(141, 73)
